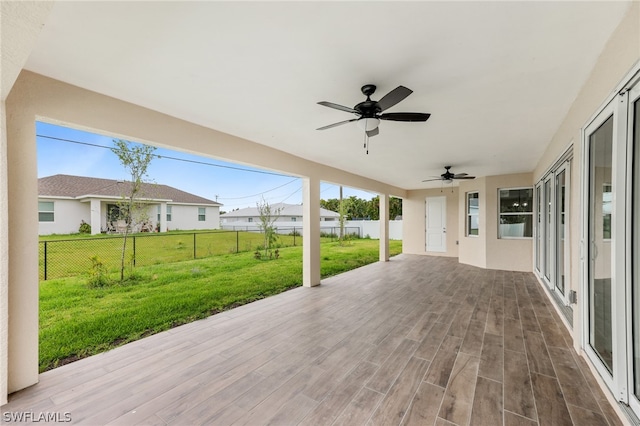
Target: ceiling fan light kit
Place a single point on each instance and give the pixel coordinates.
(370, 112)
(367, 124)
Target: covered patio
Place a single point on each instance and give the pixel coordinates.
(471, 324)
(417, 340)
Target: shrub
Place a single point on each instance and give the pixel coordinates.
(328, 234)
(98, 274)
(85, 228)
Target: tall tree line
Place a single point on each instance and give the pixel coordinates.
(358, 208)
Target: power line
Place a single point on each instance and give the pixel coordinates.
(260, 193)
(292, 194)
(205, 164)
(171, 158)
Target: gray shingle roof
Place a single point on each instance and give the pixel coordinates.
(80, 186)
(286, 210)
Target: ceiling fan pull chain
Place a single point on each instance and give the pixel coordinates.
(366, 142)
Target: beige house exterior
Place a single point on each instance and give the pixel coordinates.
(557, 252)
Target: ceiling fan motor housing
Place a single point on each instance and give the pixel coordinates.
(368, 109)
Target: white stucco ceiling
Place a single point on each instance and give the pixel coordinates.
(497, 77)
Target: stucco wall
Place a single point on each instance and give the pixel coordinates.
(186, 218)
(506, 253)
(414, 221)
(4, 259)
(22, 183)
(66, 217)
(486, 250)
(472, 250)
(21, 23)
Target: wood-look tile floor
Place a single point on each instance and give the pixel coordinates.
(414, 341)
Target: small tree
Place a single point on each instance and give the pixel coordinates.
(343, 209)
(268, 216)
(135, 159)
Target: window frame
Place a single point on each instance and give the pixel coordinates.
(531, 213)
(202, 214)
(469, 214)
(168, 218)
(52, 211)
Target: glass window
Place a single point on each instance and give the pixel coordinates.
(516, 213)
(606, 211)
(250, 219)
(473, 207)
(168, 213)
(293, 219)
(202, 214)
(45, 211)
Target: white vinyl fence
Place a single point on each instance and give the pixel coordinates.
(362, 228)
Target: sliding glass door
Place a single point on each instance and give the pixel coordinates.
(548, 223)
(552, 227)
(600, 217)
(539, 230)
(561, 184)
(611, 241)
(634, 258)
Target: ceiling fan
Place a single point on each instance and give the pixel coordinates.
(370, 112)
(448, 177)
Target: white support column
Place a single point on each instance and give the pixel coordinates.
(311, 232)
(384, 227)
(22, 184)
(96, 213)
(163, 217)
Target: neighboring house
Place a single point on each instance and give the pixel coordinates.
(289, 215)
(64, 201)
(290, 218)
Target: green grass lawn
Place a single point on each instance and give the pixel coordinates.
(69, 255)
(77, 321)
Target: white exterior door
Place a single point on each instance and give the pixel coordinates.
(436, 224)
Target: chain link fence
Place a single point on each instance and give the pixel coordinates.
(71, 257)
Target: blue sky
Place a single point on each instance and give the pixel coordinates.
(235, 186)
